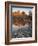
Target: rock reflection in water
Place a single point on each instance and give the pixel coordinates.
(21, 31)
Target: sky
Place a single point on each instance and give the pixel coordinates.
(21, 9)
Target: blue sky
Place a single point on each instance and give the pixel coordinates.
(21, 9)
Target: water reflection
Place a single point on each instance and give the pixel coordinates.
(22, 31)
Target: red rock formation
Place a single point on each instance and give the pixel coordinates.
(18, 13)
(19, 21)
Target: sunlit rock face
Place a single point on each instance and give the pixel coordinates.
(21, 18)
